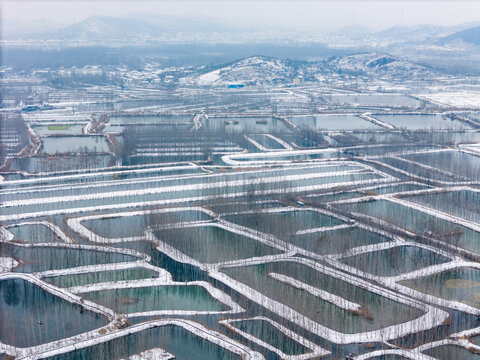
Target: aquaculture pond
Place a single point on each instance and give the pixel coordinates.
(324, 198)
(65, 281)
(376, 311)
(129, 226)
(58, 129)
(449, 352)
(212, 244)
(422, 121)
(336, 241)
(266, 141)
(74, 144)
(34, 233)
(388, 100)
(473, 115)
(283, 157)
(459, 284)
(370, 191)
(31, 316)
(109, 175)
(243, 205)
(174, 339)
(395, 188)
(377, 137)
(417, 170)
(395, 261)
(418, 222)
(46, 164)
(184, 193)
(165, 158)
(332, 122)
(475, 339)
(150, 119)
(456, 162)
(154, 298)
(449, 137)
(245, 125)
(108, 104)
(284, 223)
(172, 184)
(306, 139)
(265, 331)
(34, 259)
(385, 150)
(463, 204)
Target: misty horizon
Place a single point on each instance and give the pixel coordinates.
(325, 16)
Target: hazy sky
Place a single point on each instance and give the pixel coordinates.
(296, 14)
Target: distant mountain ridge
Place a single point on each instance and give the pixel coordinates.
(105, 28)
(471, 36)
(138, 26)
(421, 33)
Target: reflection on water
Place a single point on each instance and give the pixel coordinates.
(101, 276)
(212, 244)
(174, 339)
(462, 284)
(395, 261)
(168, 297)
(30, 316)
(266, 332)
(449, 352)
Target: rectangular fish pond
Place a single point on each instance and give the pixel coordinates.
(456, 162)
(31, 316)
(458, 284)
(422, 121)
(266, 332)
(155, 298)
(213, 244)
(418, 222)
(74, 144)
(374, 311)
(284, 224)
(336, 241)
(463, 203)
(34, 233)
(395, 261)
(174, 339)
(332, 122)
(449, 352)
(36, 259)
(131, 226)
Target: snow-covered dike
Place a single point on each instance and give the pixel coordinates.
(7, 264)
(191, 326)
(315, 350)
(322, 294)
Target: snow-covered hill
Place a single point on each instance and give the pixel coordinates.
(256, 70)
(378, 65)
(264, 71)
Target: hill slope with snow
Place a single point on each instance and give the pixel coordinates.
(264, 71)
